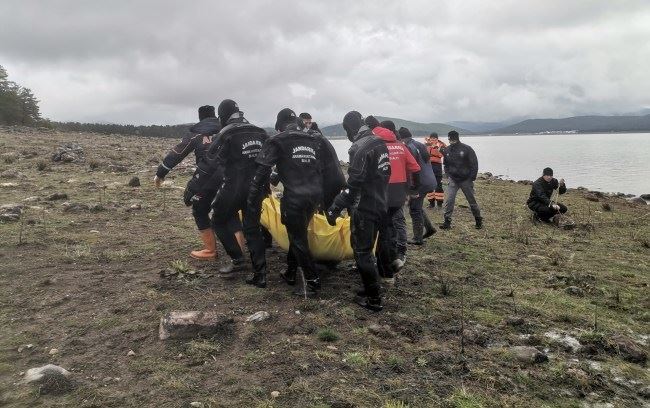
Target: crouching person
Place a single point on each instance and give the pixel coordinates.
(541, 194)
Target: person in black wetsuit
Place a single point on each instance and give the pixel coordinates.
(298, 157)
(539, 200)
(365, 193)
(198, 140)
(235, 148)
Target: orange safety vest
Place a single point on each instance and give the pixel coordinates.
(434, 149)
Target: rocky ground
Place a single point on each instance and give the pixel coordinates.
(514, 315)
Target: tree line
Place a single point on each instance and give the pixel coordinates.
(18, 105)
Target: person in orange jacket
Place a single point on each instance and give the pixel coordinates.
(435, 147)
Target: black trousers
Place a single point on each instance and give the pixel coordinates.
(296, 215)
(201, 210)
(364, 229)
(438, 194)
(544, 212)
(227, 204)
(419, 217)
(387, 250)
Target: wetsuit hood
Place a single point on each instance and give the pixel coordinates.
(284, 118)
(352, 122)
(226, 109)
(208, 126)
(385, 134)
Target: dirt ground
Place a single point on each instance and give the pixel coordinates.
(82, 275)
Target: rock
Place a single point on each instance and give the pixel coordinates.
(134, 182)
(8, 185)
(644, 392)
(118, 168)
(26, 346)
(381, 330)
(258, 316)
(54, 351)
(32, 199)
(606, 207)
(637, 200)
(591, 197)
(136, 206)
(574, 291)
(52, 379)
(68, 153)
(629, 350)
(515, 321)
(527, 354)
(11, 212)
(187, 325)
(196, 404)
(275, 394)
(537, 257)
(567, 342)
(477, 335)
(12, 174)
(645, 196)
(74, 207)
(57, 196)
(131, 353)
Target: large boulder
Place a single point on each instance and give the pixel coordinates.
(52, 379)
(527, 355)
(68, 153)
(191, 324)
(11, 212)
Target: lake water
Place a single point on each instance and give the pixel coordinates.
(605, 162)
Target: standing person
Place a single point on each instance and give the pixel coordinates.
(461, 166)
(198, 140)
(539, 200)
(435, 147)
(236, 149)
(366, 194)
(422, 227)
(297, 157)
(404, 183)
(308, 123)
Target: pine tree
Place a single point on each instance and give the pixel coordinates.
(18, 105)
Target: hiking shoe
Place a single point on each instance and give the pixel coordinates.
(258, 279)
(446, 225)
(479, 223)
(289, 277)
(414, 242)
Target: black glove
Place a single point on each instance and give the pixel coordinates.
(332, 214)
(190, 195)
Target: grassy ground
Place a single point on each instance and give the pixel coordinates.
(88, 284)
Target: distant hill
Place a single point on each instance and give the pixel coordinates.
(483, 127)
(416, 128)
(581, 124)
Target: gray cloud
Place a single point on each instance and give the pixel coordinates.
(155, 61)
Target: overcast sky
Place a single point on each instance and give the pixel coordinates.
(149, 62)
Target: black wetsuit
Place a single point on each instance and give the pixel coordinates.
(333, 177)
(199, 140)
(539, 200)
(235, 148)
(366, 193)
(298, 157)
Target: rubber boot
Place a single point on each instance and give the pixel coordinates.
(239, 236)
(479, 222)
(208, 253)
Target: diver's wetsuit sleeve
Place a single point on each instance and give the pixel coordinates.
(177, 154)
(265, 160)
(473, 164)
(214, 158)
(356, 177)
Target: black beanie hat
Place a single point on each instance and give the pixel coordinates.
(547, 172)
(389, 124)
(352, 122)
(305, 115)
(206, 111)
(404, 133)
(226, 109)
(433, 134)
(453, 135)
(285, 117)
(371, 122)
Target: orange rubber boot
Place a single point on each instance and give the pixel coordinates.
(208, 253)
(239, 236)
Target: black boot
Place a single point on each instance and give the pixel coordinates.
(258, 279)
(446, 225)
(414, 242)
(479, 223)
(309, 289)
(429, 233)
(370, 303)
(289, 276)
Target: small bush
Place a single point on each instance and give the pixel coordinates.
(394, 404)
(355, 359)
(328, 335)
(94, 164)
(41, 165)
(180, 266)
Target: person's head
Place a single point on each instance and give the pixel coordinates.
(352, 122)
(403, 133)
(453, 137)
(285, 117)
(226, 109)
(306, 120)
(371, 122)
(390, 125)
(206, 111)
(433, 136)
(547, 174)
